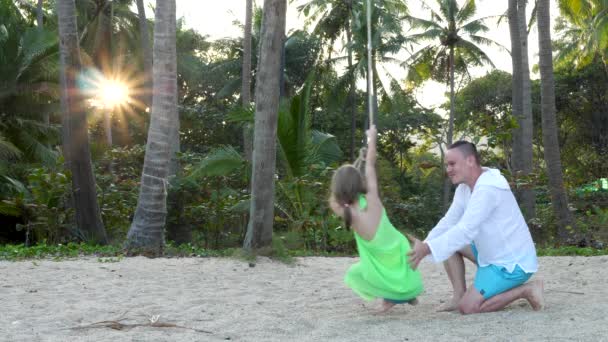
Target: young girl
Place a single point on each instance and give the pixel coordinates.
(383, 270)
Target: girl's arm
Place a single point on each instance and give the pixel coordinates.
(370, 218)
(370, 162)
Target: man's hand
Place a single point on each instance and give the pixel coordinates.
(419, 250)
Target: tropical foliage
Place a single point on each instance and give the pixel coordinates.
(321, 120)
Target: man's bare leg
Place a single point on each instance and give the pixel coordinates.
(532, 292)
(454, 267)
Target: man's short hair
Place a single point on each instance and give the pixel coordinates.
(467, 149)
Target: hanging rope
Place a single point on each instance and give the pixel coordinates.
(370, 75)
(360, 162)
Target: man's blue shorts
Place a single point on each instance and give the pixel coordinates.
(492, 280)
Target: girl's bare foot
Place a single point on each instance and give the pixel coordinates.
(386, 305)
(535, 295)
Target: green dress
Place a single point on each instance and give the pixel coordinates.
(383, 270)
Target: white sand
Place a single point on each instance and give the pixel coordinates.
(307, 301)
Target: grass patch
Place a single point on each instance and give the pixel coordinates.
(278, 251)
(571, 251)
(57, 252)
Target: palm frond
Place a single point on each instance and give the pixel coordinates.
(240, 114)
(9, 209)
(421, 23)
(8, 150)
(292, 135)
(449, 9)
(488, 42)
(325, 148)
(474, 27)
(434, 15)
(466, 12)
(575, 10)
(472, 51)
(36, 149)
(35, 44)
(230, 88)
(219, 162)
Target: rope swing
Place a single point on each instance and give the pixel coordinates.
(359, 163)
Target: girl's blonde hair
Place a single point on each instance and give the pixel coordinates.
(347, 184)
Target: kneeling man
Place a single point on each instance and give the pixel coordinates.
(485, 225)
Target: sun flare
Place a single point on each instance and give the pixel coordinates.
(114, 93)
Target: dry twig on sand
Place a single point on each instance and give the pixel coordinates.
(153, 321)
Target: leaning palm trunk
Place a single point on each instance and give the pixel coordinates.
(259, 229)
(559, 198)
(75, 134)
(147, 229)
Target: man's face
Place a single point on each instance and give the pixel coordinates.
(458, 167)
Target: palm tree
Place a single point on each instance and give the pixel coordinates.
(75, 134)
(261, 215)
(559, 198)
(337, 18)
(39, 14)
(146, 233)
(246, 75)
(528, 195)
(334, 19)
(454, 47)
(584, 32)
(29, 73)
(40, 25)
(146, 49)
(522, 103)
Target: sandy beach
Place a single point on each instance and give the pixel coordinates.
(219, 299)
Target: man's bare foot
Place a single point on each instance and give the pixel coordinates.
(449, 306)
(535, 295)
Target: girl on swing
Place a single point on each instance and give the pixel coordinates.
(382, 271)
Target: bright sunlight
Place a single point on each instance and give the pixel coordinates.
(114, 93)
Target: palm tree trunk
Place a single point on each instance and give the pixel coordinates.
(559, 198)
(75, 133)
(447, 185)
(146, 234)
(101, 43)
(351, 91)
(282, 85)
(246, 77)
(528, 194)
(40, 23)
(39, 14)
(107, 123)
(101, 54)
(146, 50)
(259, 230)
(452, 99)
(516, 88)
